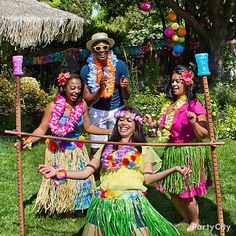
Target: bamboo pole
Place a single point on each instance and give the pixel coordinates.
(19, 159)
(112, 142)
(214, 157)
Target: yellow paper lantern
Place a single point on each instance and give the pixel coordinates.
(175, 38)
(172, 16)
(175, 26)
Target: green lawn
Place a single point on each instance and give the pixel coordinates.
(54, 225)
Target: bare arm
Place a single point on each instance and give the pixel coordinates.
(197, 123)
(125, 87)
(90, 128)
(50, 172)
(150, 177)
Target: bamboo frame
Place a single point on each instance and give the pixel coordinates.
(213, 144)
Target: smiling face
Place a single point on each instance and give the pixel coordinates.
(73, 90)
(126, 126)
(177, 85)
(101, 49)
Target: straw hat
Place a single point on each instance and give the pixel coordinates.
(99, 37)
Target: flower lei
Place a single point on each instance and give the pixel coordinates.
(133, 116)
(75, 114)
(165, 121)
(126, 155)
(96, 72)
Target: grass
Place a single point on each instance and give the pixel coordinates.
(55, 225)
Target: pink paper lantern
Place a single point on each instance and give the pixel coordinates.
(145, 6)
(169, 32)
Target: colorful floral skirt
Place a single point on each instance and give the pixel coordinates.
(197, 182)
(126, 215)
(73, 194)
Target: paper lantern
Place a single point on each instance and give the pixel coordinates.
(145, 6)
(175, 26)
(172, 16)
(181, 40)
(169, 32)
(178, 48)
(175, 54)
(182, 32)
(175, 38)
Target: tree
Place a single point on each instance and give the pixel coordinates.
(213, 22)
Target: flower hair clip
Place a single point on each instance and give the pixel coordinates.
(133, 116)
(63, 77)
(187, 77)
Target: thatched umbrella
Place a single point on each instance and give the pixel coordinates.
(28, 23)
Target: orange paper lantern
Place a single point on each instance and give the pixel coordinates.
(182, 32)
(172, 16)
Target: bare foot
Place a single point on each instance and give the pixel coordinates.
(193, 226)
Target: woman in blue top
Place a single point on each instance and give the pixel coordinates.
(64, 116)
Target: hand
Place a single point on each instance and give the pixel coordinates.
(192, 117)
(47, 171)
(183, 170)
(124, 82)
(103, 82)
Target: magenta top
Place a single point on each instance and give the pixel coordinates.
(181, 129)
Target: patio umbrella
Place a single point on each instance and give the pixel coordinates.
(28, 23)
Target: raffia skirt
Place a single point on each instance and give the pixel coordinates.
(197, 182)
(125, 216)
(73, 194)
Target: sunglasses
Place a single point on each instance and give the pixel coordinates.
(101, 48)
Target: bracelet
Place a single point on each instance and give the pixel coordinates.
(27, 141)
(60, 177)
(92, 166)
(147, 173)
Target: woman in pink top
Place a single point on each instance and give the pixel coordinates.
(183, 120)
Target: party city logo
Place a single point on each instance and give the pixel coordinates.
(211, 228)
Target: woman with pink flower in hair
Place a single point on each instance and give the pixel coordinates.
(64, 117)
(183, 120)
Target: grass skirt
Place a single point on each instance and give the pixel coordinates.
(124, 216)
(74, 194)
(194, 157)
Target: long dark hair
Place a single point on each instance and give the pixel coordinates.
(137, 137)
(61, 88)
(191, 90)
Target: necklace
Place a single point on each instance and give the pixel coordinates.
(97, 71)
(166, 120)
(126, 155)
(75, 114)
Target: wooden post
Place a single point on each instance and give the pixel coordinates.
(214, 158)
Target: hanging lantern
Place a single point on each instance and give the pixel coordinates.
(145, 6)
(169, 32)
(182, 32)
(175, 38)
(175, 26)
(181, 40)
(178, 48)
(172, 16)
(175, 54)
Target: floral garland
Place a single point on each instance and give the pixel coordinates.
(125, 155)
(166, 120)
(75, 114)
(96, 72)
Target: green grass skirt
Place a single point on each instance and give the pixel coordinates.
(194, 157)
(119, 216)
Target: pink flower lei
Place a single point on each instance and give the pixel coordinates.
(75, 114)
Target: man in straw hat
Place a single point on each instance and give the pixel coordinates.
(106, 84)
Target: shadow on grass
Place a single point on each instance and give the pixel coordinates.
(208, 212)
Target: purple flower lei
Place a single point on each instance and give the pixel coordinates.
(112, 159)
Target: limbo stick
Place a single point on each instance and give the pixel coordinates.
(17, 71)
(203, 70)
